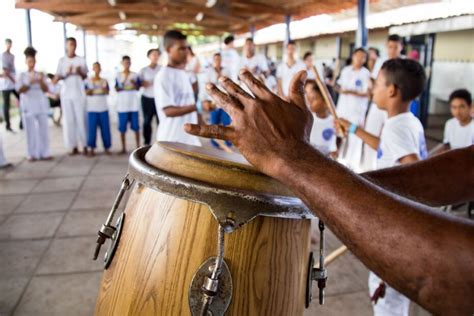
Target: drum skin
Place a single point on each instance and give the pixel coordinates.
(164, 241)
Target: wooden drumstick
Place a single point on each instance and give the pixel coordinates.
(223, 146)
(325, 93)
(335, 254)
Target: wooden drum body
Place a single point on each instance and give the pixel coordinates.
(173, 224)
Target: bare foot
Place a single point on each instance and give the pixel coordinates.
(6, 166)
(74, 152)
(85, 152)
(107, 152)
(47, 158)
(91, 153)
(122, 152)
(31, 159)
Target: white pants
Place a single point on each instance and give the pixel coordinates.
(393, 304)
(37, 140)
(74, 125)
(3, 161)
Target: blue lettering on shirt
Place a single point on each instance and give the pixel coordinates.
(328, 133)
(423, 149)
(379, 152)
(358, 83)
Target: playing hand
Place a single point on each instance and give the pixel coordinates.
(266, 129)
(342, 126)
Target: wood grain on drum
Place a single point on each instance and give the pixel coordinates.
(164, 241)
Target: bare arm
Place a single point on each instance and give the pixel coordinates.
(451, 183)
(370, 139)
(279, 87)
(173, 111)
(424, 254)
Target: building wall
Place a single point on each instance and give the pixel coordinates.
(455, 46)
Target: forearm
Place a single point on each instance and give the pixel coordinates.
(387, 233)
(174, 111)
(371, 140)
(442, 180)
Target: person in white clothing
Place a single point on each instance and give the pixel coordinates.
(287, 69)
(459, 130)
(212, 75)
(193, 67)
(147, 76)
(72, 69)
(127, 84)
(309, 63)
(402, 141)
(230, 58)
(7, 82)
(32, 87)
(253, 62)
(353, 87)
(4, 164)
(323, 135)
(174, 95)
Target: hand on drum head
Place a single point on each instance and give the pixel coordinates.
(266, 129)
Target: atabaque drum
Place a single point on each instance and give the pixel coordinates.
(203, 233)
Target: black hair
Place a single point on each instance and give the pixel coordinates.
(314, 85)
(97, 63)
(217, 54)
(30, 52)
(407, 75)
(359, 49)
(249, 39)
(229, 39)
(126, 57)
(376, 50)
(8, 40)
(394, 38)
(153, 50)
(171, 36)
(461, 94)
(50, 76)
(191, 51)
(307, 54)
(71, 39)
(291, 42)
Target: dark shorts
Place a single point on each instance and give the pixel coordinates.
(125, 118)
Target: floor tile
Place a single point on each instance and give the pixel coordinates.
(20, 258)
(82, 223)
(16, 186)
(100, 182)
(11, 289)
(70, 255)
(95, 199)
(60, 295)
(59, 184)
(8, 203)
(46, 202)
(110, 167)
(30, 226)
(341, 305)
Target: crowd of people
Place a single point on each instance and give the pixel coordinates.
(374, 128)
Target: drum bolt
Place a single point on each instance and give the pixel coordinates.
(210, 286)
(229, 223)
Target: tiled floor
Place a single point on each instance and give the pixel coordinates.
(49, 216)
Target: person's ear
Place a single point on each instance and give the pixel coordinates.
(392, 90)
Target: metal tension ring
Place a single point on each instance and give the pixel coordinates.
(107, 231)
(317, 273)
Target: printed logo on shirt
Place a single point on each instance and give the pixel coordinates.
(379, 152)
(358, 83)
(423, 149)
(328, 133)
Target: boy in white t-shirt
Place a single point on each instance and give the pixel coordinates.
(253, 62)
(287, 69)
(402, 141)
(127, 84)
(354, 84)
(323, 136)
(174, 95)
(97, 90)
(459, 130)
(72, 69)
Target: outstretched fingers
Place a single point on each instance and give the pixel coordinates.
(211, 131)
(235, 91)
(257, 87)
(296, 92)
(223, 100)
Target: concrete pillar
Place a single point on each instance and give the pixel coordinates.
(64, 35)
(96, 47)
(28, 27)
(362, 33)
(287, 29)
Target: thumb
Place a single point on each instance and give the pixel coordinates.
(296, 91)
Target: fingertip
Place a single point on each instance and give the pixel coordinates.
(209, 86)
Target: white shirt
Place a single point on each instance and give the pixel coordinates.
(377, 66)
(285, 73)
(73, 86)
(310, 74)
(271, 83)
(323, 136)
(97, 102)
(255, 64)
(8, 63)
(402, 135)
(458, 136)
(373, 124)
(173, 88)
(351, 107)
(213, 76)
(127, 98)
(34, 100)
(231, 61)
(148, 74)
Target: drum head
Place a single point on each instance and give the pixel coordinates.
(212, 166)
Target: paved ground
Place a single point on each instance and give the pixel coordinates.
(49, 216)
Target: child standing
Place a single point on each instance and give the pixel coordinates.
(402, 141)
(459, 130)
(323, 136)
(32, 87)
(126, 85)
(97, 90)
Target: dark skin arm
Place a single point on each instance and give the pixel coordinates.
(174, 111)
(424, 254)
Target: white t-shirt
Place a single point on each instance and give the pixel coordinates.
(271, 83)
(231, 61)
(127, 98)
(173, 88)
(8, 63)
(402, 135)
(34, 100)
(148, 74)
(351, 107)
(255, 64)
(373, 124)
(285, 73)
(458, 136)
(73, 85)
(310, 74)
(323, 136)
(377, 66)
(212, 76)
(97, 102)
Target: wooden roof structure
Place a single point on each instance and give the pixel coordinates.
(206, 17)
